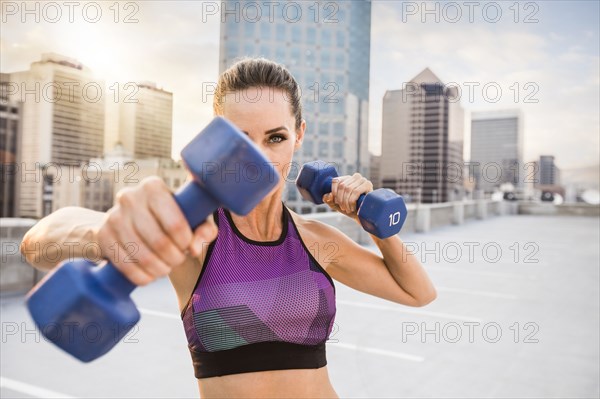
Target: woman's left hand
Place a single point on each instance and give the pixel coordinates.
(345, 191)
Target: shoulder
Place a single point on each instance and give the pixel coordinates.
(327, 244)
(313, 227)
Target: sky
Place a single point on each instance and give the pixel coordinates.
(541, 57)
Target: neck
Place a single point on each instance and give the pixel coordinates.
(263, 223)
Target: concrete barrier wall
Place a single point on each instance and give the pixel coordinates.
(15, 273)
(424, 217)
(441, 214)
(470, 209)
(544, 208)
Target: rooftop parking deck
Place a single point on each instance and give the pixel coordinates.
(517, 315)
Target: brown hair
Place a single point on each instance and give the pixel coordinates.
(258, 72)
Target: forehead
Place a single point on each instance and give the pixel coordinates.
(258, 104)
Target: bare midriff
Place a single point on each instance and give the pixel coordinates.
(296, 383)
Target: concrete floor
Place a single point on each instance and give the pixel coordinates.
(516, 317)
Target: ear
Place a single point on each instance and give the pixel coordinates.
(300, 136)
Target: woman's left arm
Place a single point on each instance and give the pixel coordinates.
(406, 270)
(397, 276)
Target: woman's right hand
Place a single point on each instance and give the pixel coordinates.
(145, 234)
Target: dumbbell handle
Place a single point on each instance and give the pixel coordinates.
(326, 189)
(195, 203)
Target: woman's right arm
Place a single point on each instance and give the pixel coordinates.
(64, 234)
(144, 235)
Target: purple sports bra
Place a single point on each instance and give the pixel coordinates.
(258, 305)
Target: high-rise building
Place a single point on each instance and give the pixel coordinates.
(422, 140)
(547, 171)
(141, 121)
(62, 124)
(375, 170)
(326, 46)
(10, 115)
(497, 149)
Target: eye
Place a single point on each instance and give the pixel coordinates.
(277, 138)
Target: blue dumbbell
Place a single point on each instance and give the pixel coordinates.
(85, 309)
(381, 212)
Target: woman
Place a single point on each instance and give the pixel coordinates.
(257, 305)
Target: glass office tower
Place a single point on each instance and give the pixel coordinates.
(326, 46)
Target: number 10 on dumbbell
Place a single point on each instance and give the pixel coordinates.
(381, 212)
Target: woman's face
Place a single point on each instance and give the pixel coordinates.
(265, 115)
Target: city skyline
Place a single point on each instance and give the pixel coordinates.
(557, 56)
(316, 55)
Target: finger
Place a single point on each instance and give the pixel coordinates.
(337, 190)
(139, 254)
(147, 227)
(344, 192)
(171, 218)
(334, 187)
(334, 207)
(349, 196)
(328, 199)
(354, 191)
(203, 234)
(109, 239)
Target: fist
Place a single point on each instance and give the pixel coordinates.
(145, 234)
(345, 191)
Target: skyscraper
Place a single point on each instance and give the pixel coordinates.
(422, 140)
(497, 149)
(548, 171)
(62, 123)
(141, 121)
(326, 46)
(375, 171)
(10, 122)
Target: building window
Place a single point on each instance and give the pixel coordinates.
(310, 58)
(311, 79)
(341, 15)
(323, 130)
(339, 129)
(296, 56)
(325, 60)
(280, 32)
(309, 103)
(311, 35)
(249, 28)
(249, 49)
(265, 31)
(296, 34)
(323, 149)
(340, 39)
(339, 107)
(264, 51)
(308, 148)
(232, 29)
(338, 149)
(280, 54)
(326, 38)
